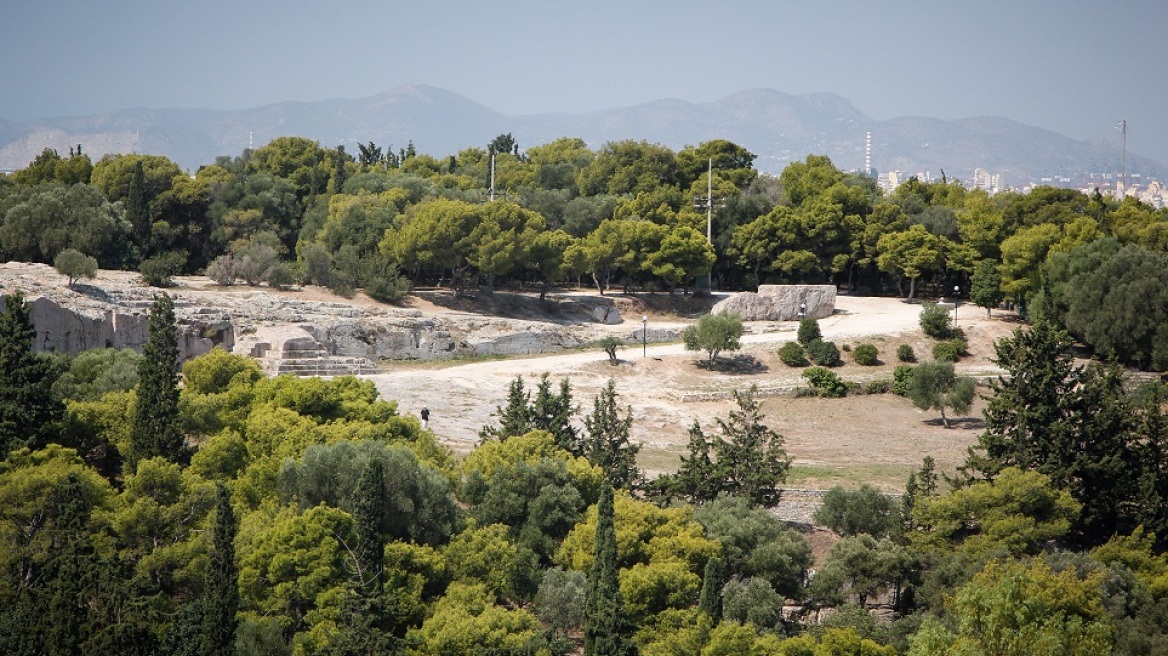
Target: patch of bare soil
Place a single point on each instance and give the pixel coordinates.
(876, 439)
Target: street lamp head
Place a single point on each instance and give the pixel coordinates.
(645, 318)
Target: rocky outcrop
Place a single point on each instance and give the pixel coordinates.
(781, 303)
(71, 325)
(285, 333)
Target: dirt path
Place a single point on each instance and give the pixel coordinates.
(878, 438)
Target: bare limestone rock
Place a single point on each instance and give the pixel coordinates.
(780, 302)
(606, 315)
(285, 333)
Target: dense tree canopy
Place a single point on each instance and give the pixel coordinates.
(102, 558)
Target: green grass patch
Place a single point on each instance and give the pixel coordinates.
(822, 477)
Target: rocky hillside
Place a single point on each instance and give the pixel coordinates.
(307, 331)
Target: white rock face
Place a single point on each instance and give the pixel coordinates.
(780, 302)
(287, 334)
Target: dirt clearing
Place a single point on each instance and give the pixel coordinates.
(867, 438)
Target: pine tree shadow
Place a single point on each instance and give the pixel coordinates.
(739, 365)
(963, 423)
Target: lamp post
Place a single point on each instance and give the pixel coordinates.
(644, 335)
(802, 311)
(956, 291)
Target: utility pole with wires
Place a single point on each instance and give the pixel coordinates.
(707, 203)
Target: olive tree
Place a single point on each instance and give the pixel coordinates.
(714, 333)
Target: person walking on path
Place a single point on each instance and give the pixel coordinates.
(425, 417)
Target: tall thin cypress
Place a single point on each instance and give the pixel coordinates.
(221, 599)
(137, 210)
(710, 602)
(368, 510)
(29, 416)
(607, 630)
(368, 623)
(155, 430)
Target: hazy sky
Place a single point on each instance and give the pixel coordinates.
(1072, 66)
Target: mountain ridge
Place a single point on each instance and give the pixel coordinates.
(777, 127)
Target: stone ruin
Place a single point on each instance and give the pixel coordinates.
(781, 303)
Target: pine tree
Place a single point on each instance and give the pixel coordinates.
(607, 443)
(221, 600)
(750, 454)
(29, 416)
(698, 479)
(710, 602)
(553, 413)
(515, 419)
(155, 430)
(607, 630)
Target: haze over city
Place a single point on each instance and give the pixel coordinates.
(1074, 67)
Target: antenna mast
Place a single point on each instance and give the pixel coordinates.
(710, 202)
(868, 155)
(1123, 158)
(492, 190)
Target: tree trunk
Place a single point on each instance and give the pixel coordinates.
(944, 419)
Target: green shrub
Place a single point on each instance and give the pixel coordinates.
(342, 286)
(866, 355)
(877, 387)
(792, 355)
(904, 353)
(280, 276)
(824, 354)
(825, 382)
(159, 271)
(935, 321)
(900, 379)
(386, 288)
(950, 350)
(808, 331)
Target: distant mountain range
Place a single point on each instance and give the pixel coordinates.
(777, 127)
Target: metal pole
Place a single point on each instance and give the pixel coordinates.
(710, 202)
(956, 291)
(644, 335)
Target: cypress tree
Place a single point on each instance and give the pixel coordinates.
(337, 182)
(221, 599)
(607, 630)
(66, 618)
(29, 416)
(369, 620)
(155, 430)
(137, 211)
(368, 508)
(710, 602)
